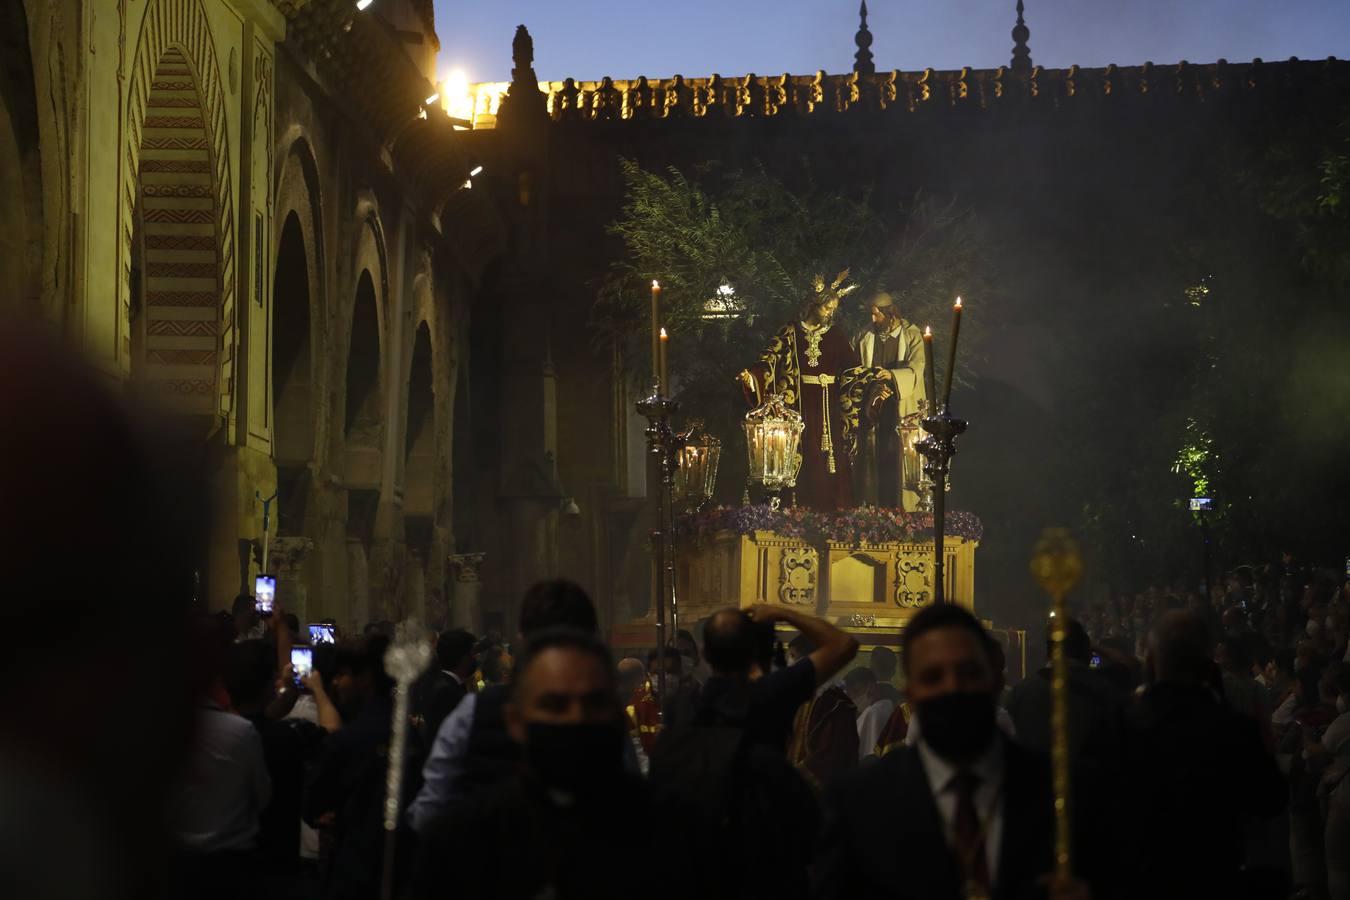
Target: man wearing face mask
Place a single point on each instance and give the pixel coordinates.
(472, 749)
(560, 828)
(966, 812)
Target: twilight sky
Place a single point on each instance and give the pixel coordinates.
(587, 39)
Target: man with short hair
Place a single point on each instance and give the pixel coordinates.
(347, 792)
(217, 811)
(874, 709)
(1195, 773)
(572, 823)
(978, 815)
(289, 745)
(436, 694)
(1094, 703)
(682, 691)
(472, 748)
(725, 774)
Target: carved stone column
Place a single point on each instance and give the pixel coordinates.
(415, 588)
(358, 584)
(286, 557)
(465, 610)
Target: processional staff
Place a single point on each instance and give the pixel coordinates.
(1057, 566)
(405, 660)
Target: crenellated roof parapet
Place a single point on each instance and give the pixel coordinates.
(754, 96)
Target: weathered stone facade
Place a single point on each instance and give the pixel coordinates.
(231, 208)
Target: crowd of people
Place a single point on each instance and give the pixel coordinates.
(1208, 746)
(150, 753)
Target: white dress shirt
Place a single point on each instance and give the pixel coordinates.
(870, 723)
(226, 787)
(988, 797)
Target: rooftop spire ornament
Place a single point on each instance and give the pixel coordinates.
(862, 60)
(1021, 53)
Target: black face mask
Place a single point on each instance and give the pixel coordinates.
(574, 757)
(958, 726)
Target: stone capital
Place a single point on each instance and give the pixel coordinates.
(466, 566)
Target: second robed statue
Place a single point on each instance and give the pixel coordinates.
(842, 388)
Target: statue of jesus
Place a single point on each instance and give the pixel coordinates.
(812, 365)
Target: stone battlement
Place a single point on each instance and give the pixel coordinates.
(755, 96)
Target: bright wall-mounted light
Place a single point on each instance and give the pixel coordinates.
(363, 5)
(432, 99)
(477, 170)
(457, 96)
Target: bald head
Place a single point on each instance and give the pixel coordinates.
(733, 643)
(631, 675)
(1179, 648)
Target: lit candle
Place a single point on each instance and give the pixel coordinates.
(656, 329)
(665, 371)
(951, 355)
(930, 374)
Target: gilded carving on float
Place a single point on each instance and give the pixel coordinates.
(797, 579)
(913, 580)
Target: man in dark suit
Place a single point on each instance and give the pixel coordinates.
(438, 692)
(1198, 774)
(964, 814)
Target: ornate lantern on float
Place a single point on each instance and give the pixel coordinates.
(773, 434)
(696, 477)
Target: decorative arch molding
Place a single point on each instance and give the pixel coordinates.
(181, 27)
(366, 251)
(298, 192)
(368, 254)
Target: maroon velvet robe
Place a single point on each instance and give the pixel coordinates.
(784, 369)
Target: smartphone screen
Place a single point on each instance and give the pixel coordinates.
(321, 634)
(1096, 661)
(302, 663)
(265, 592)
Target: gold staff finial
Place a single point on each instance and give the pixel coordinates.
(1057, 565)
(1056, 562)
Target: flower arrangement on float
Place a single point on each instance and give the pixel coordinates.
(861, 525)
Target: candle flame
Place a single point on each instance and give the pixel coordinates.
(656, 285)
(664, 336)
(928, 331)
(958, 302)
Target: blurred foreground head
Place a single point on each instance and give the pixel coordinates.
(97, 687)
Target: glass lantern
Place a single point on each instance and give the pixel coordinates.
(696, 477)
(773, 434)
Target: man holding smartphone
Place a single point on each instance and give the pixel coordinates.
(288, 746)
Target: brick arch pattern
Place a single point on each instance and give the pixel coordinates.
(176, 128)
(182, 271)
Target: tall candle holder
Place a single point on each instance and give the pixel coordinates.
(662, 447)
(938, 449)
